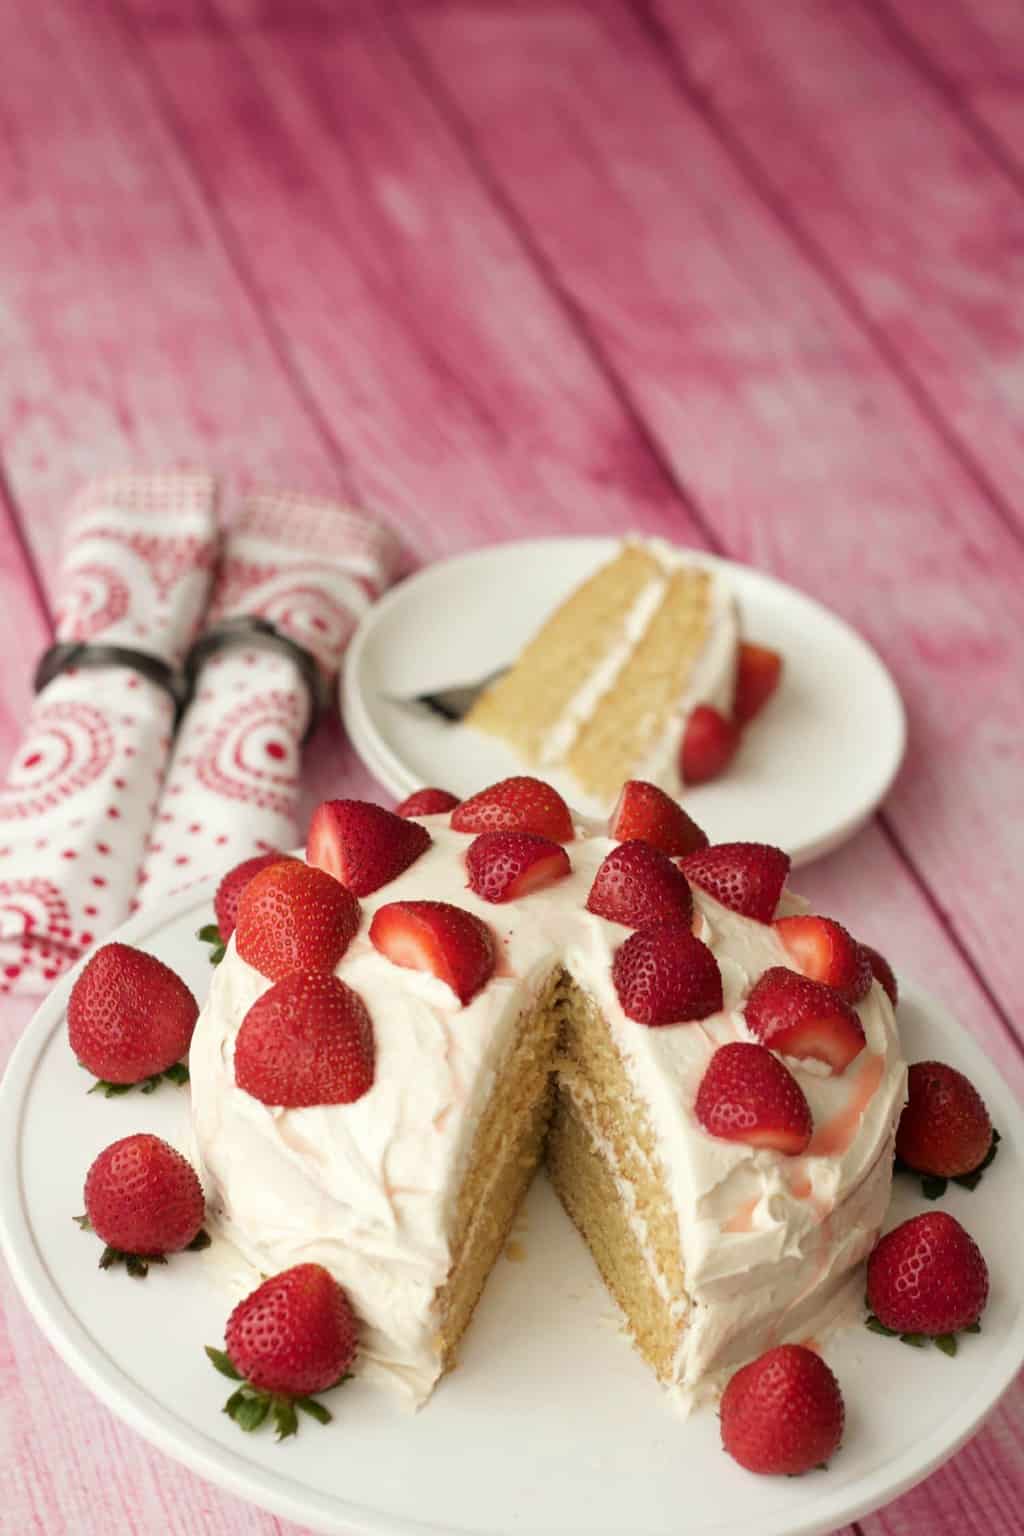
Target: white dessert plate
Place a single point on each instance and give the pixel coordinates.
(551, 1424)
(811, 770)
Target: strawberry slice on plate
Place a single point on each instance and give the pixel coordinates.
(363, 845)
(520, 804)
(799, 1017)
(823, 950)
(749, 1095)
(745, 877)
(637, 884)
(758, 671)
(644, 811)
(450, 943)
(506, 866)
(710, 742)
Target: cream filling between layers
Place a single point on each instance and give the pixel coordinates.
(369, 1189)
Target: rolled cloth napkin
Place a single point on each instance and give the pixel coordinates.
(80, 793)
(311, 568)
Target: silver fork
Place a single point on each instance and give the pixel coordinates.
(452, 704)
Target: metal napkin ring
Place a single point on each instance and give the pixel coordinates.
(251, 629)
(67, 654)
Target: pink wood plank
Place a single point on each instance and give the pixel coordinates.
(930, 255)
(972, 49)
(465, 400)
(128, 339)
(774, 409)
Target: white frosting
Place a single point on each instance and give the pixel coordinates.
(369, 1188)
(712, 681)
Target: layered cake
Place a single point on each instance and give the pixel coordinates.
(717, 1120)
(606, 688)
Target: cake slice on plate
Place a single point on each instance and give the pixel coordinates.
(605, 689)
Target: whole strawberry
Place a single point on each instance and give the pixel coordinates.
(306, 1041)
(130, 1019)
(783, 1413)
(293, 917)
(296, 1334)
(144, 1200)
(945, 1130)
(927, 1279)
(225, 902)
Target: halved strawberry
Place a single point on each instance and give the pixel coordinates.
(363, 845)
(518, 804)
(758, 670)
(636, 884)
(663, 974)
(823, 950)
(505, 866)
(435, 936)
(292, 917)
(644, 811)
(799, 1017)
(307, 1041)
(710, 742)
(748, 1095)
(745, 877)
(883, 973)
(427, 802)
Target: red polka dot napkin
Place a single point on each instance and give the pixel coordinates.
(311, 568)
(79, 796)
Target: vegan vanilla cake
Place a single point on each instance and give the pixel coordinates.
(712, 1076)
(603, 692)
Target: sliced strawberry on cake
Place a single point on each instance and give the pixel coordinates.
(143, 1200)
(435, 936)
(758, 671)
(295, 1335)
(745, 877)
(225, 902)
(519, 804)
(636, 884)
(823, 950)
(363, 845)
(130, 1020)
(710, 742)
(427, 802)
(294, 917)
(644, 811)
(307, 1041)
(783, 1414)
(506, 866)
(799, 1017)
(749, 1095)
(663, 974)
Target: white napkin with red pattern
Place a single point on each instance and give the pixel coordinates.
(80, 793)
(312, 568)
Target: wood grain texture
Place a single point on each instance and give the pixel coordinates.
(495, 273)
(771, 405)
(971, 49)
(920, 235)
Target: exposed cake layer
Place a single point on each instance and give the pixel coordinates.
(604, 690)
(393, 1192)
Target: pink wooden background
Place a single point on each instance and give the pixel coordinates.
(747, 275)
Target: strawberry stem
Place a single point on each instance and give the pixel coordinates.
(250, 1407)
(176, 1074)
(210, 934)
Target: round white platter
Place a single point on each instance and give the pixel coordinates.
(812, 767)
(551, 1424)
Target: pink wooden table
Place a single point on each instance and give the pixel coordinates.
(746, 275)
